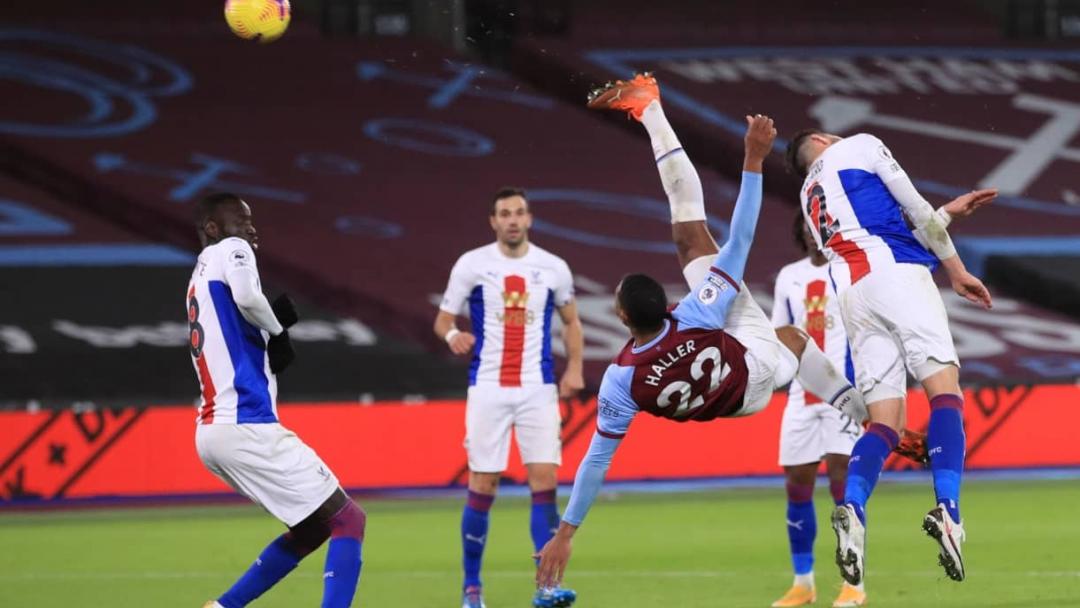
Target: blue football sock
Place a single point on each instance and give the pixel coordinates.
(801, 526)
(543, 518)
(474, 529)
(342, 572)
(277, 559)
(864, 468)
(947, 444)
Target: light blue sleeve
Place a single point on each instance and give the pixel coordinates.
(707, 305)
(615, 411)
(732, 256)
(590, 477)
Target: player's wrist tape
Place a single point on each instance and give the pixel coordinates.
(451, 334)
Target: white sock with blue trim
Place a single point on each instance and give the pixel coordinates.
(681, 181)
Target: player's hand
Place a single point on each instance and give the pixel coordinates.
(281, 352)
(968, 285)
(462, 343)
(758, 142)
(571, 384)
(285, 311)
(966, 204)
(553, 558)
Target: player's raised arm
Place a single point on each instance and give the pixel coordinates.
(760, 134)
(930, 229)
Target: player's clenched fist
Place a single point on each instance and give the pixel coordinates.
(461, 343)
(760, 133)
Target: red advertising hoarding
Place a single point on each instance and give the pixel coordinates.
(150, 452)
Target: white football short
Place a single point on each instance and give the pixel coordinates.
(748, 324)
(533, 413)
(808, 432)
(270, 465)
(896, 323)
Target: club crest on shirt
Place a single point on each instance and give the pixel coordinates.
(708, 293)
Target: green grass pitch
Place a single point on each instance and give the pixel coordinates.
(722, 548)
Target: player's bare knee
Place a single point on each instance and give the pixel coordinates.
(542, 477)
(801, 475)
(890, 412)
(836, 465)
(307, 536)
(484, 483)
(349, 522)
(793, 338)
(939, 378)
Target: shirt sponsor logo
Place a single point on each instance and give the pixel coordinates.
(606, 409)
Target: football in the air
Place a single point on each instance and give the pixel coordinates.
(262, 20)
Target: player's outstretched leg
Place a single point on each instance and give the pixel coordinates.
(639, 97)
(947, 448)
(277, 560)
(341, 573)
(338, 519)
(849, 520)
(817, 373)
(850, 595)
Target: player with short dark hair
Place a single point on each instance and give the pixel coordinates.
(883, 239)
(239, 344)
(643, 300)
(715, 355)
(508, 192)
(511, 289)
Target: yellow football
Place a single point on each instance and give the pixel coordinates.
(262, 20)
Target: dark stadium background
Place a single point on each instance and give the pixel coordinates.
(368, 141)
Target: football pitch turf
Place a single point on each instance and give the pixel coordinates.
(720, 548)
